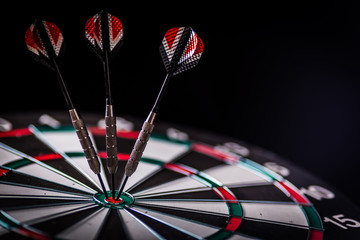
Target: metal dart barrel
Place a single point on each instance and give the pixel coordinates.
(111, 142)
(140, 144)
(85, 141)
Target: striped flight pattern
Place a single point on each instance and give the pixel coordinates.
(184, 41)
(94, 33)
(37, 47)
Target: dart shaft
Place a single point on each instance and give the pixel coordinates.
(161, 93)
(140, 144)
(111, 144)
(85, 141)
(122, 186)
(102, 185)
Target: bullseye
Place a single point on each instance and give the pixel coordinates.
(113, 200)
(125, 200)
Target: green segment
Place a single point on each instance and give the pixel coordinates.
(235, 209)
(312, 216)
(23, 162)
(75, 154)
(8, 222)
(51, 129)
(18, 163)
(207, 178)
(220, 235)
(152, 161)
(261, 169)
(165, 138)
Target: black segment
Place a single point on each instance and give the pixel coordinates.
(66, 168)
(159, 227)
(260, 193)
(112, 227)
(118, 174)
(158, 178)
(27, 144)
(22, 179)
(11, 203)
(208, 218)
(196, 194)
(56, 225)
(33, 147)
(266, 230)
(199, 161)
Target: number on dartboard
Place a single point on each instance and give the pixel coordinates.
(46, 119)
(283, 171)
(342, 222)
(176, 134)
(5, 125)
(232, 147)
(318, 192)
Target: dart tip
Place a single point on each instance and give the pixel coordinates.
(113, 185)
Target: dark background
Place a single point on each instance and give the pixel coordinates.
(283, 75)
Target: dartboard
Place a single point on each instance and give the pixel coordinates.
(189, 184)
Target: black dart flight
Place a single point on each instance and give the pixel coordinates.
(44, 40)
(180, 50)
(104, 34)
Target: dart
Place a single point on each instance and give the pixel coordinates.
(44, 40)
(180, 50)
(104, 33)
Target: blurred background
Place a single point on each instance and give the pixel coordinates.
(283, 75)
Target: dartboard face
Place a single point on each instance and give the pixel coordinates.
(188, 185)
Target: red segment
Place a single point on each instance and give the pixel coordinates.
(16, 133)
(123, 156)
(315, 235)
(170, 36)
(50, 156)
(32, 234)
(113, 200)
(102, 154)
(208, 150)
(180, 169)
(226, 195)
(233, 224)
(121, 134)
(294, 193)
(120, 156)
(3, 172)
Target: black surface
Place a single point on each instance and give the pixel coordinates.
(283, 75)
